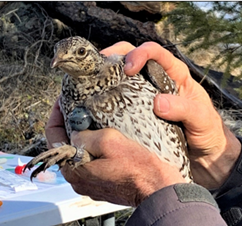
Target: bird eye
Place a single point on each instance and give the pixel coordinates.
(81, 51)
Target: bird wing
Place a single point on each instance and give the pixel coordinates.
(156, 75)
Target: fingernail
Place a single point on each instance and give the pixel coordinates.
(128, 66)
(162, 104)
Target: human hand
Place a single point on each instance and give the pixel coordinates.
(125, 175)
(123, 172)
(213, 149)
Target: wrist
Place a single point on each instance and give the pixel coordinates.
(213, 169)
(147, 184)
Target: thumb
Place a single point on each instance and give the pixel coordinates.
(177, 108)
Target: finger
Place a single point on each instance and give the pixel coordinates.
(121, 48)
(80, 174)
(104, 145)
(56, 117)
(137, 58)
(177, 108)
(98, 141)
(55, 129)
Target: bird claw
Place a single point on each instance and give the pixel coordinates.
(59, 155)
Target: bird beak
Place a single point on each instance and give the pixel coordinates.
(55, 62)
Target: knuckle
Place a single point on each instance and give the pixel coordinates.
(124, 43)
(108, 137)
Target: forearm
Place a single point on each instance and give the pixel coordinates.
(212, 170)
(180, 204)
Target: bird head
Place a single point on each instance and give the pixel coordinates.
(77, 57)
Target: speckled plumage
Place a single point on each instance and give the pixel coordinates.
(115, 100)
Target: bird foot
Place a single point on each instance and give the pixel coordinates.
(61, 154)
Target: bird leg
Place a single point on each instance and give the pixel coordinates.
(60, 155)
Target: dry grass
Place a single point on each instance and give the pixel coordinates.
(28, 86)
